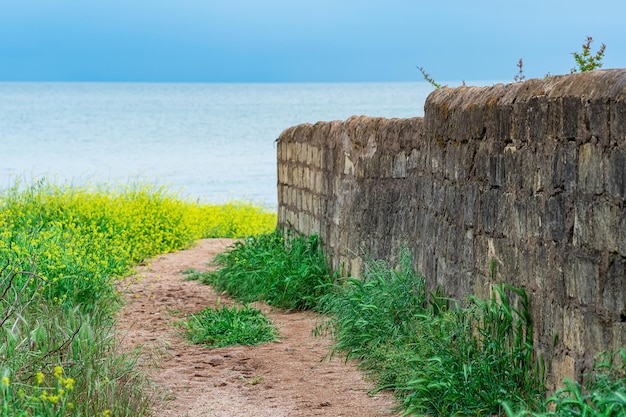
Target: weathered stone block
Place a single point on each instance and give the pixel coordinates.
(557, 208)
(613, 294)
(564, 166)
(617, 119)
(615, 173)
(582, 279)
(399, 166)
(573, 336)
(590, 169)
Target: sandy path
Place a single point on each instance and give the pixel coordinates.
(285, 378)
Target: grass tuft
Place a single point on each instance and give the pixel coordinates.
(220, 327)
(438, 359)
(289, 272)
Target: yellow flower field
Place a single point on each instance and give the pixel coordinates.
(61, 249)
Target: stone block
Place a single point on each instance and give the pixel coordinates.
(596, 225)
(618, 336)
(399, 166)
(511, 167)
(572, 107)
(582, 278)
(590, 169)
(537, 118)
(564, 165)
(615, 173)
(596, 121)
(563, 366)
(573, 330)
(617, 120)
(614, 287)
(555, 218)
(621, 233)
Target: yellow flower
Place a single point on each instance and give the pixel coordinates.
(106, 413)
(5, 381)
(58, 371)
(40, 378)
(68, 382)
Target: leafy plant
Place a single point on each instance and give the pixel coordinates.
(428, 78)
(215, 327)
(519, 77)
(585, 61)
(603, 393)
(285, 270)
(438, 358)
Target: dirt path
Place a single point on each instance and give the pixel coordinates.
(285, 378)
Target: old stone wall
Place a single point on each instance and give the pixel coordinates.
(529, 175)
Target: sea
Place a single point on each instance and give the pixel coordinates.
(207, 142)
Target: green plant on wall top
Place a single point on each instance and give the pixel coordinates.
(519, 77)
(428, 78)
(585, 61)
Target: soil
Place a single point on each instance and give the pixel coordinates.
(291, 377)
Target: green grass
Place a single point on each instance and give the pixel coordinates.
(289, 272)
(62, 249)
(603, 393)
(439, 356)
(439, 359)
(220, 327)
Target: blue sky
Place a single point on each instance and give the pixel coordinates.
(300, 41)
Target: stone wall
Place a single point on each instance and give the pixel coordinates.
(530, 175)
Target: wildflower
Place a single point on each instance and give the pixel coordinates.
(40, 378)
(106, 413)
(68, 383)
(5, 381)
(58, 371)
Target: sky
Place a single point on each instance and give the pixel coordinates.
(301, 40)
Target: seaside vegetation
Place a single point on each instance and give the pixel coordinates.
(230, 326)
(439, 356)
(62, 250)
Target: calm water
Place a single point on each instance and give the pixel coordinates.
(212, 142)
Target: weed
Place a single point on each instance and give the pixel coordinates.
(428, 78)
(603, 394)
(287, 271)
(585, 61)
(519, 77)
(437, 358)
(215, 327)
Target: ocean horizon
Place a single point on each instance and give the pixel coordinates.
(207, 142)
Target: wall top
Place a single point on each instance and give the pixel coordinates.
(590, 85)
